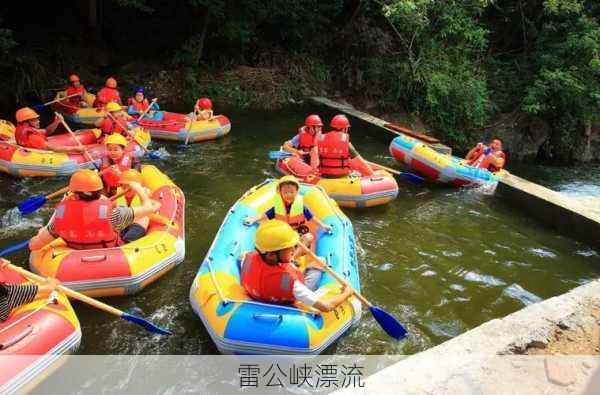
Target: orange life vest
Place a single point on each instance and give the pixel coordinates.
(109, 126)
(85, 224)
(109, 177)
(105, 96)
(485, 161)
(269, 283)
(139, 105)
(334, 154)
(306, 141)
(24, 132)
(75, 100)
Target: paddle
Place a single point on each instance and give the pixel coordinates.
(85, 151)
(189, 128)
(14, 248)
(40, 105)
(389, 324)
(276, 155)
(142, 115)
(33, 203)
(149, 326)
(151, 154)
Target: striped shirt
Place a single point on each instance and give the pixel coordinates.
(15, 295)
(120, 218)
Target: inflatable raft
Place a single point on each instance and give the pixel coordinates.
(174, 127)
(81, 115)
(28, 162)
(240, 325)
(126, 269)
(354, 190)
(439, 167)
(34, 338)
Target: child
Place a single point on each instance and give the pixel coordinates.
(138, 104)
(131, 199)
(116, 162)
(15, 295)
(289, 207)
(108, 125)
(203, 109)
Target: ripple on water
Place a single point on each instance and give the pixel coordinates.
(587, 252)
(428, 273)
(384, 267)
(12, 222)
(452, 253)
(515, 291)
(456, 287)
(483, 279)
(542, 253)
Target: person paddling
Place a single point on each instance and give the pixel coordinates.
(489, 157)
(304, 144)
(76, 88)
(28, 133)
(108, 125)
(130, 198)
(107, 94)
(268, 273)
(116, 162)
(138, 104)
(203, 109)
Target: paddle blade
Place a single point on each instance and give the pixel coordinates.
(183, 146)
(410, 177)
(389, 324)
(154, 155)
(149, 326)
(32, 204)
(14, 248)
(38, 106)
(279, 154)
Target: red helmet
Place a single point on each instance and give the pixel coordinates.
(204, 103)
(313, 120)
(73, 78)
(340, 121)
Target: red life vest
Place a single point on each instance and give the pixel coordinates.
(85, 225)
(306, 141)
(334, 154)
(75, 100)
(485, 161)
(269, 283)
(24, 132)
(105, 96)
(109, 177)
(108, 126)
(139, 106)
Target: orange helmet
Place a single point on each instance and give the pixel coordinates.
(111, 83)
(340, 121)
(25, 114)
(73, 78)
(313, 120)
(129, 176)
(85, 180)
(205, 103)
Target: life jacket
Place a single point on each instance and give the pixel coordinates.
(485, 161)
(105, 96)
(75, 100)
(124, 202)
(205, 115)
(109, 126)
(334, 154)
(85, 225)
(24, 132)
(138, 106)
(295, 218)
(306, 141)
(109, 177)
(269, 283)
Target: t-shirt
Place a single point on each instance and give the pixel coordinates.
(121, 218)
(270, 213)
(15, 295)
(295, 141)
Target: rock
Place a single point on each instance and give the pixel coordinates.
(559, 373)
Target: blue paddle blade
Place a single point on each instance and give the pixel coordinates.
(149, 326)
(38, 106)
(183, 146)
(32, 204)
(410, 177)
(154, 155)
(389, 324)
(14, 248)
(279, 154)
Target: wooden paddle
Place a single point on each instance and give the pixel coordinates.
(189, 128)
(40, 106)
(405, 175)
(389, 324)
(95, 303)
(85, 151)
(151, 154)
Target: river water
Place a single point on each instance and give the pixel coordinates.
(440, 259)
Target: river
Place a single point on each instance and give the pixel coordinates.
(442, 260)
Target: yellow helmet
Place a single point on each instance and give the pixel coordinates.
(116, 138)
(288, 180)
(275, 235)
(113, 106)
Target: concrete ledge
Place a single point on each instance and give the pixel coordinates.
(532, 326)
(570, 216)
(368, 118)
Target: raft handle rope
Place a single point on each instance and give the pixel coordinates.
(52, 298)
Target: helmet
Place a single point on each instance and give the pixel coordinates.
(26, 114)
(275, 235)
(288, 180)
(73, 78)
(129, 176)
(111, 83)
(340, 121)
(85, 180)
(205, 103)
(139, 89)
(313, 120)
(116, 138)
(113, 106)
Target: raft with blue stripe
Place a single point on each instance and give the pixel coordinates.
(240, 325)
(439, 167)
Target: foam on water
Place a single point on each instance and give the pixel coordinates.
(12, 222)
(515, 291)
